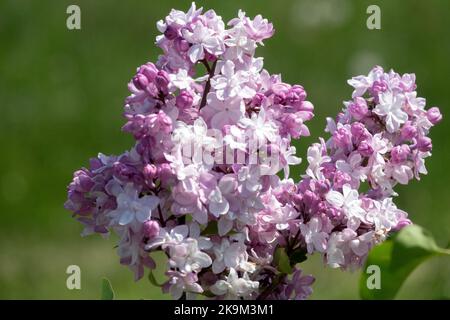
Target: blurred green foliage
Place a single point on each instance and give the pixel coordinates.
(61, 95)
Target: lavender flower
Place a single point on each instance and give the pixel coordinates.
(201, 182)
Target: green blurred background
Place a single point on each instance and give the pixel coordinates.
(61, 95)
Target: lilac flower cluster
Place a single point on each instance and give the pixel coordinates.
(213, 132)
(380, 139)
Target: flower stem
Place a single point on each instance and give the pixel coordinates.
(211, 71)
(161, 218)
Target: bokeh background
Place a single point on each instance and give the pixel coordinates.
(61, 95)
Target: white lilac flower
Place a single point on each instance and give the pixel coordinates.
(250, 176)
(360, 245)
(285, 158)
(181, 80)
(231, 83)
(181, 18)
(239, 44)
(225, 223)
(168, 238)
(263, 129)
(277, 214)
(401, 173)
(348, 201)
(187, 257)
(362, 83)
(202, 38)
(236, 139)
(132, 209)
(180, 282)
(315, 238)
(231, 255)
(414, 103)
(334, 254)
(316, 159)
(391, 107)
(352, 166)
(218, 204)
(235, 287)
(223, 112)
(190, 142)
(385, 215)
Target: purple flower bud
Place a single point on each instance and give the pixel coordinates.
(359, 132)
(188, 115)
(377, 88)
(210, 57)
(279, 98)
(295, 95)
(408, 132)
(434, 115)
(333, 212)
(399, 154)
(306, 106)
(121, 170)
(181, 45)
(322, 206)
(365, 149)
(184, 100)
(171, 33)
(310, 198)
(402, 223)
(257, 99)
(424, 144)
(79, 203)
(341, 178)
(95, 163)
(150, 171)
(358, 108)
(408, 82)
(293, 124)
(162, 81)
(266, 183)
(140, 81)
(280, 91)
(82, 182)
(149, 70)
(150, 229)
(164, 171)
(164, 122)
(136, 125)
(323, 186)
(342, 137)
(297, 198)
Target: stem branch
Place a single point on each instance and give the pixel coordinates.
(161, 218)
(208, 82)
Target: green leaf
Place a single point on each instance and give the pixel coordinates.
(107, 290)
(211, 229)
(397, 258)
(281, 260)
(152, 279)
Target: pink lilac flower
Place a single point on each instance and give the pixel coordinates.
(380, 138)
(213, 131)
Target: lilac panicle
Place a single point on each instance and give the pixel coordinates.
(213, 131)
